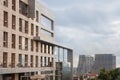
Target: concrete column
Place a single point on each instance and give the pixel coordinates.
(70, 59)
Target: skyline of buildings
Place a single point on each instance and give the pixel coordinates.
(106, 61)
(85, 64)
(89, 65)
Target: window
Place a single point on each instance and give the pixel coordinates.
(23, 8)
(26, 27)
(5, 19)
(32, 29)
(31, 60)
(48, 33)
(37, 31)
(20, 61)
(13, 22)
(20, 24)
(36, 61)
(5, 57)
(13, 41)
(26, 60)
(26, 43)
(20, 42)
(37, 16)
(5, 39)
(5, 3)
(13, 60)
(37, 47)
(32, 45)
(14, 4)
(47, 22)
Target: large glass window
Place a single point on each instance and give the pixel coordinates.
(47, 22)
(23, 8)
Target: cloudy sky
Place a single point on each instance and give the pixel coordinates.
(88, 26)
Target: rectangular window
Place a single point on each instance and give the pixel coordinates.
(5, 57)
(13, 41)
(26, 27)
(32, 45)
(20, 42)
(47, 22)
(5, 39)
(26, 60)
(13, 22)
(37, 47)
(20, 24)
(31, 60)
(13, 4)
(5, 19)
(37, 16)
(13, 60)
(32, 29)
(26, 43)
(23, 8)
(20, 61)
(37, 31)
(5, 3)
(36, 61)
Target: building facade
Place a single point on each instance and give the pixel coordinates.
(106, 61)
(27, 48)
(85, 64)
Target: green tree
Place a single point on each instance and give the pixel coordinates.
(104, 75)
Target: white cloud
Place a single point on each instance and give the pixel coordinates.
(90, 27)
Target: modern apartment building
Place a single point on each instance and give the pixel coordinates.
(27, 48)
(106, 61)
(85, 64)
